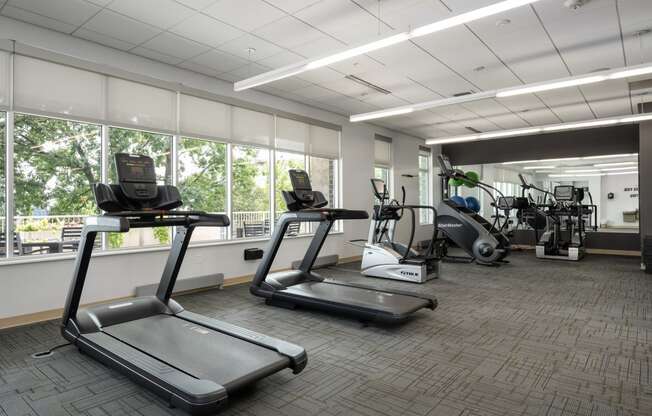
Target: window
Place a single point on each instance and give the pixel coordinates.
(201, 179)
(250, 192)
(159, 148)
(284, 162)
(384, 173)
(425, 188)
(56, 162)
(324, 178)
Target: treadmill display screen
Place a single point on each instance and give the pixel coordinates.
(564, 192)
(135, 168)
(445, 163)
(300, 180)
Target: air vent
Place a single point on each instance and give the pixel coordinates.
(459, 94)
(472, 129)
(368, 84)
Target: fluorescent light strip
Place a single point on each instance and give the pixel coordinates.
(606, 165)
(582, 175)
(612, 169)
(543, 129)
(538, 167)
(610, 156)
(559, 83)
(310, 64)
(581, 170)
(622, 173)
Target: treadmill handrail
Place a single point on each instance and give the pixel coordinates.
(326, 214)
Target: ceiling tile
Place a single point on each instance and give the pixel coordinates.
(347, 87)
(173, 45)
(247, 71)
(415, 93)
(157, 56)
(207, 30)
(318, 47)
(103, 39)
(343, 19)
(508, 121)
(281, 59)
(240, 46)
(383, 100)
(321, 75)
(247, 15)
(73, 12)
(357, 65)
(315, 92)
(120, 27)
(567, 103)
(36, 19)
(291, 6)
(202, 69)
(288, 32)
(407, 14)
(159, 13)
(197, 4)
(290, 84)
(219, 61)
(101, 3)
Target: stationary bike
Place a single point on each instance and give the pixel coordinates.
(383, 256)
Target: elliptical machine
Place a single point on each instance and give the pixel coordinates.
(482, 240)
(386, 258)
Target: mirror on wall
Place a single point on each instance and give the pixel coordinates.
(610, 182)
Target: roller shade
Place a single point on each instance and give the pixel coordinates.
(138, 105)
(324, 142)
(199, 118)
(424, 149)
(252, 127)
(4, 80)
(45, 87)
(292, 135)
(382, 150)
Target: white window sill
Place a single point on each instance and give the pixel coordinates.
(71, 256)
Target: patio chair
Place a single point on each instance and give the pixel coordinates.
(256, 229)
(17, 246)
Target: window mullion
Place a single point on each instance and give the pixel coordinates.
(9, 184)
(229, 188)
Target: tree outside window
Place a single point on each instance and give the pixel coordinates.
(250, 192)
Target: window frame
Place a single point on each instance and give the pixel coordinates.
(429, 220)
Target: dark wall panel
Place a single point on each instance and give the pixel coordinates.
(599, 141)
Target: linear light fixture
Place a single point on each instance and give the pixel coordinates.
(616, 169)
(542, 129)
(581, 170)
(610, 156)
(606, 165)
(310, 64)
(579, 175)
(623, 173)
(567, 82)
(538, 167)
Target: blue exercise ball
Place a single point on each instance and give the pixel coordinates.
(472, 203)
(459, 201)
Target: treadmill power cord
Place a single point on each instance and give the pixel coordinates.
(48, 353)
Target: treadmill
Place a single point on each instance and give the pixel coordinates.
(193, 362)
(304, 288)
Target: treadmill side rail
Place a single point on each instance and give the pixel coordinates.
(296, 354)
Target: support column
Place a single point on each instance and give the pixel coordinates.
(645, 196)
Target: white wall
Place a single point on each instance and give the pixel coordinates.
(40, 286)
(611, 212)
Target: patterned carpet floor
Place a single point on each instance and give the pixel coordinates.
(531, 338)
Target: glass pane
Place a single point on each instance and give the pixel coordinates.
(202, 182)
(250, 194)
(56, 162)
(423, 160)
(3, 208)
(159, 148)
(323, 175)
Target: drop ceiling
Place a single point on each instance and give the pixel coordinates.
(528, 44)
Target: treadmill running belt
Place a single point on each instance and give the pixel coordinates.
(388, 302)
(199, 351)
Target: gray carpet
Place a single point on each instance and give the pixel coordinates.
(530, 338)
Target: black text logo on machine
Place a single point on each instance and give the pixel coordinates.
(407, 273)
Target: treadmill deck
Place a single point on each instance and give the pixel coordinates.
(199, 351)
(394, 304)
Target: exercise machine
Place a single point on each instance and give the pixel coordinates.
(383, 256)
(193, 362)
(482, 240)
(303, 288)
(566, 221)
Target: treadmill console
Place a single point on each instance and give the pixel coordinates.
(302, 196)
(565, 193)
(136, 189)
(447, 168)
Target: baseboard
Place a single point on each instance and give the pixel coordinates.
(320, 262)
(349, 259)
(185, 285)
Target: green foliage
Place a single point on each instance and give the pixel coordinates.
(162, 234)
(36, 225)
(116, 240)
(202, 174)
(56, 163)
(283, 182)
(156, 146)
(248, 193)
